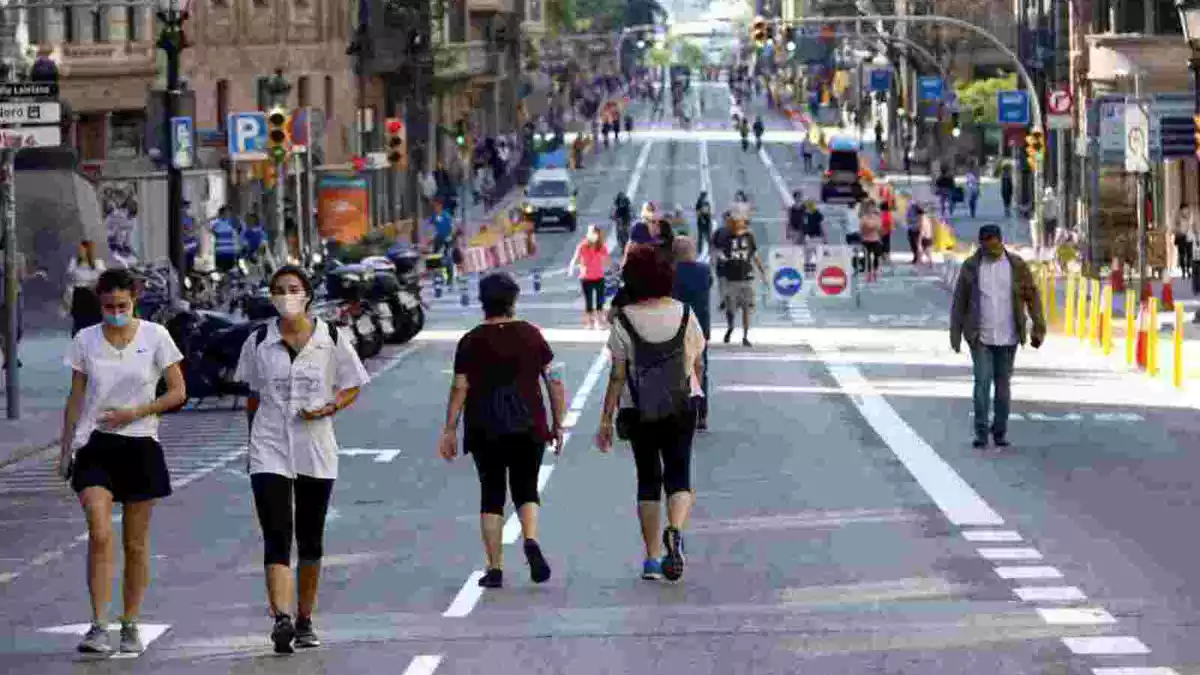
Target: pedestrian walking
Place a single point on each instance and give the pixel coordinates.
(301, 373)
(499, 369)
(973, 190)
(994, 300)
(80, 299)
(887, 221)
(797, 213)
(870, 226)
(693, 287)
(739, 257)
(928, 230)
(110, 451)
(912, 221)
(1183, 241)
(812, 235)
(593, 259)
(657, 361)
(704, 218)
(944, 185)
(1006, 189)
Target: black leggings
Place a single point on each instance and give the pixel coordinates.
(517, 458)
(662, 451)
(874, 254)
(273, 500)
(593, 294)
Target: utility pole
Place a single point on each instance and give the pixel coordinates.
(12, 276)
(171, 41)
(278, 89)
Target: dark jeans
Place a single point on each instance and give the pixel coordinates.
(992, 365)
(593, 294)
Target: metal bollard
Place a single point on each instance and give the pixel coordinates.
(537, 281)
(1178, 346)
(464, 295)
(438, 282)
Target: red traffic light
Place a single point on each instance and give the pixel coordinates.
(360, 164)
(394, 126)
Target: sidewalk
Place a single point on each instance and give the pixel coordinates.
(45, 382)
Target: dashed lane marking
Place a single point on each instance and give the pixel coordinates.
(1105, 645)
(424, 664)
(1049, 594)
(1030, 572)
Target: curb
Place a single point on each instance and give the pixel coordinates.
(25, 453)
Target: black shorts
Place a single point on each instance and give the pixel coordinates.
(132, 468)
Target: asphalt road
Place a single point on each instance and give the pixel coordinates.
(843, 523)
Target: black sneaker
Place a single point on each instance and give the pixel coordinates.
(979, 442)
(746, 342)
(728, 335)
(1001, 441)
(539, 569)
(283, 634)
(306, 637)
(492, 579)
(673, 561)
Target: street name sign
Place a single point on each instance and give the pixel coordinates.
(15, 91)
(1012, 107)
(1137, 139)
(30, 113)
(30, 137)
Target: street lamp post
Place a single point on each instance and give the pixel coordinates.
(277, 89)
(171, 40)
(1189, 18)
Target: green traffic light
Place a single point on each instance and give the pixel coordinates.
(279, 153)
(460, 140)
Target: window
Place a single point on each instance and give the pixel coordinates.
(458, 21)
(302, 91)
(69, 32)
(100, 24)
(35, 23)
(549, 188)
(133, 24)
(328, 97)
(535, 11)
(260, 92)
(125, 132)
(222, 103)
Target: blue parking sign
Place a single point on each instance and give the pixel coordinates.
(881, 79)
(1012, 107)
(931, 88)
(247, 136)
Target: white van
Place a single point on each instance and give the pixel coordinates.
(550, 199)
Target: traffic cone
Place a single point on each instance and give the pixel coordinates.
(1168, 296)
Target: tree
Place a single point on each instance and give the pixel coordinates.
(561, 16)
(978, 98)
(691, 55)
(599, 15)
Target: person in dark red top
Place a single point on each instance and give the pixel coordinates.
(499, 369)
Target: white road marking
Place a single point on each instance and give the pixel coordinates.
(395, 360)
(381, 456)
(784, 194)
(469, 594)
(1049, 594)
(1105, 645)
(957, 499)
(467, 597)
(1134, 671)
(1009, 553)
(1030, 572)
(705, 175)
(149, 633)
(1075, 616)
(991, 535)
(424, 664)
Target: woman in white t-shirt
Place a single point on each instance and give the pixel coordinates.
(652, 321)
(302, 372)
(110, 449)
(83, 271)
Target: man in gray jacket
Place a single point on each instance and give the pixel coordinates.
(993, 300)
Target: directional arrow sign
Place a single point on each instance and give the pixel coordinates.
(381, 456)
(787, 281)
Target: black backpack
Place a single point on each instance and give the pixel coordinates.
(502, 410)
(260, 333)
(658, 378)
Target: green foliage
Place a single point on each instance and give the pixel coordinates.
(561, 16)
(599, 15)
(978, 98)
(659, 57)
(691, 55)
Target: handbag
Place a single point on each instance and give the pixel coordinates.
(627, 420)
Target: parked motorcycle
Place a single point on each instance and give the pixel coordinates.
(399, 308)
(348, 287)
(211, 344)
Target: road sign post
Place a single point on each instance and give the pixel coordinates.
(183, 143)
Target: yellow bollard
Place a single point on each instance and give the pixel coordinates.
(1089, 306)
(1081, 308)
(1152, 338)
(1094, 317)
(1106, 321)
(1052, 293)
(1068, 308)
(1130, 328)
(1178, 345)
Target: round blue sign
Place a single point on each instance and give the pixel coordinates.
(788, 281)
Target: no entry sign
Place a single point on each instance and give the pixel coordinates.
(832, 280)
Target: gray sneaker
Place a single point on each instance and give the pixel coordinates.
(95, 641)
(306, 637)
(131, 639)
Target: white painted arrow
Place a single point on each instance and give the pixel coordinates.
(149, 633)
(381, 456)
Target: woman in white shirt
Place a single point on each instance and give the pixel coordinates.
(80, 297)
(653, 321)
(110, 449)
(302, 372)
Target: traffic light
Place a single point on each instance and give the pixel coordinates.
(269, 176)
(460, 133)
(279, 141)
(1035, 145)
(759, 31)
(397, 147)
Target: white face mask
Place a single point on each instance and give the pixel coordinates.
(291, 304)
